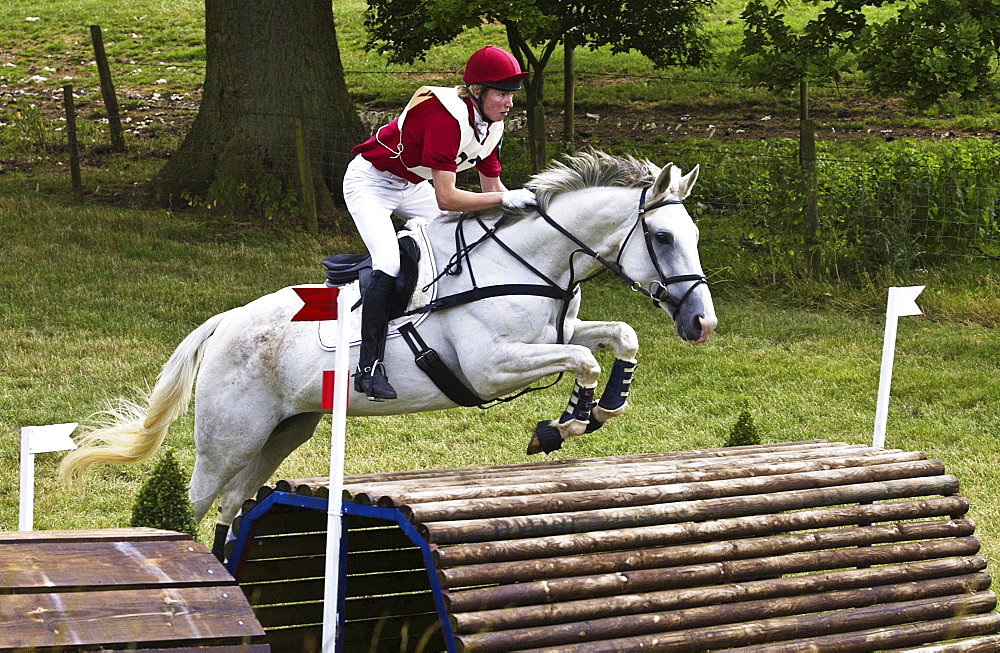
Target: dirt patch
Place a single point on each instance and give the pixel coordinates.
(611, 124)
(153, 117)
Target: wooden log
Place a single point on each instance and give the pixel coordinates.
(622, 496)
(626, 476)
(257, 571)
(107, 89)
(652, 580)
(286, 591)
(906, 635)
(696, 553)
(759, 631)
(597, 467)
(726, 528)
(410, 633)
(549, 465)
(699, 595)
(502, 528)
(93, 535)
(728, 612)
(298, 520)
(76, 182)
(475, 485)
(286, 546)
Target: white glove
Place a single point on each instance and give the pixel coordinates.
(519, 198)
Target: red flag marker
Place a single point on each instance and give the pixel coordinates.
(326, 399)
(321, 304)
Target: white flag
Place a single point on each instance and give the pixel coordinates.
(903, 301)
(52, 437)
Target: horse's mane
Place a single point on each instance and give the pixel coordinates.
(592, 169)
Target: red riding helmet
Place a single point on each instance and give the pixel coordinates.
(494, 67)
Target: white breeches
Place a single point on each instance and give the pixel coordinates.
(372, 197)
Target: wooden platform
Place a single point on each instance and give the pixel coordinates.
(792, 547)
(118, 589)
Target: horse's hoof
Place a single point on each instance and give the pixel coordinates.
(547, 438)
(593, 425)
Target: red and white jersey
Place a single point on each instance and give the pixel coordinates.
(436, 131)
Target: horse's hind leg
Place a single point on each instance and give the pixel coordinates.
(286, 437)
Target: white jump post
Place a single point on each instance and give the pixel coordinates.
(902, 301)
(333, 303)
(334, 523)
(38, 439)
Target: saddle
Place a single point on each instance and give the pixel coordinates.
(342, 269)
(346, 268)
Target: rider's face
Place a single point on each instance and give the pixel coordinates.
(496, 104)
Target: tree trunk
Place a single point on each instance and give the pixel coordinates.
(534, 92)
(270, 64)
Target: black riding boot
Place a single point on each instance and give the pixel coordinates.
(370, 377)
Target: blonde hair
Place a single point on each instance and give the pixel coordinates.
(470, 91)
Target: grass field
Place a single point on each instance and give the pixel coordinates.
(93, 299)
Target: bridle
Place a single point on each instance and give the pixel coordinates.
(657, 290)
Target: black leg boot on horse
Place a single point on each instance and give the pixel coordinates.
(370, 376)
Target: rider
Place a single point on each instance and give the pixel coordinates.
(411, 171)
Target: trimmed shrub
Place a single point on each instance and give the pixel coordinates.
(744, 431)
(162, 501)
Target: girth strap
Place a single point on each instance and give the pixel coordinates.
(428, 360)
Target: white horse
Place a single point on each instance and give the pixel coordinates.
(259, 373)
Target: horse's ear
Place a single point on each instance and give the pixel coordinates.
(687, 182)
(662, 184)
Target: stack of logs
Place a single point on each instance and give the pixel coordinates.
(797, 546)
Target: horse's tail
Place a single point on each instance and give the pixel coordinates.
(131, 433)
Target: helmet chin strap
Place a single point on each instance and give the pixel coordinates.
(478, 101)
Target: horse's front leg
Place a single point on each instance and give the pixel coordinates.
(623, 340)
(518, 364)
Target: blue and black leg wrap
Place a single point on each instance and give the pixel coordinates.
(615, 390)
(581, 402)
(548, 438)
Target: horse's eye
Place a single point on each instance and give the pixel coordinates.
(664, 238)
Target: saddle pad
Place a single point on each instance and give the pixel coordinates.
(417, 229)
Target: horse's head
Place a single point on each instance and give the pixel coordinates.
(664, 259)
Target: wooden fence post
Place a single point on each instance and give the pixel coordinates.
(569, 96)
(107, 89)
(74, 158)
(807, 160)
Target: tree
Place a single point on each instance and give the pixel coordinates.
(775, 54)
(929, 49)
(270, 68)
(934, 48)
(666, 32)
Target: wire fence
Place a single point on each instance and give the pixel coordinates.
(885, 205)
